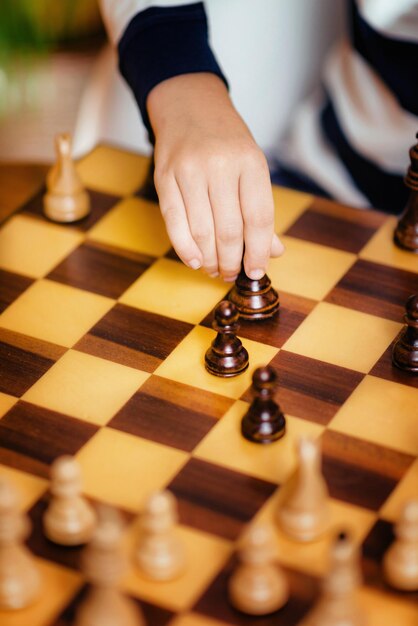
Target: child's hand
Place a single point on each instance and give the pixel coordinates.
(211, 178)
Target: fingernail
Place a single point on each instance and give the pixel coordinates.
(214, 275)
(230, 279)
(195, 264)
(256, 274)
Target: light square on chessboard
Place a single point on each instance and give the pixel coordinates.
(308, 269)
(342, 337)
(186, 364)
(406, 489)
(86, 387)
(225, 445)
(113, 171)
(121, 469)
(289, 205)
(59, 585)
(382, 412)
(28, 486)
(32, 247)
(383, 609)
(6, 403)
(179, 594)
(314, 555)
(53, 312)
(133, 224)
(381, 249)
(170, 288)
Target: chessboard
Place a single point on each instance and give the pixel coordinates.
(103, 333)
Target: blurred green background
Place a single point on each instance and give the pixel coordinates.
(32, 29)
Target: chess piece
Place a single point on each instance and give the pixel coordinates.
(65, 200)
(405, 350)
(20, 581)
(226, 356)
(264, 422)
(258, 586)
(103, 565)
(338, 604)
(159, 553)
(406, 232)
(254, 299)
(400, 563)
(148, 190)
(69, 519)
(303, 512)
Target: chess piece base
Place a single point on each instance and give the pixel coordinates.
(20, 581)
(66, 209)
(405, 355)
(161, 560)
(70, 524)
(259, 430)
(304, 527)
(254, 299)
(401, 568)
(226, 366)
(258, 594)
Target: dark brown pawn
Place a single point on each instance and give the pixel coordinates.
(254, 299)
(226, 356)
(405, 350)
(264, 422)
(406, 232)
(147, 190)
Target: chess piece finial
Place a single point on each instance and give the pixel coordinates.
(405, 350)
(69, 519)
(65, 200)
(303, 512)
(20, 581)
(258, 586)
(160, 554)
(264, 422)
(104, 564)
(338, 605)
(406, 232)
(400, 563)
(227, 356)
(254, 299)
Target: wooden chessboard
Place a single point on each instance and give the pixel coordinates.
(103, 333)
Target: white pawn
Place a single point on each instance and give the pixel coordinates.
(304, 512)
(103, 565)
(258, 586)
(400, 563)
(65, 200)
(160, 554)
(69, 519)
(20, 581)
(338, 604)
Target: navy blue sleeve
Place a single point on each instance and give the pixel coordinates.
(162, 42)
